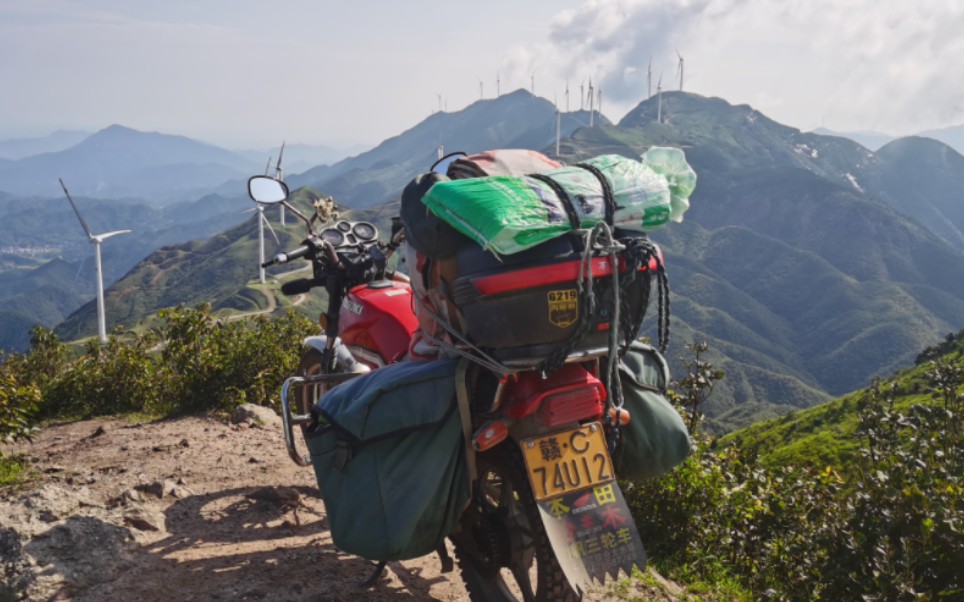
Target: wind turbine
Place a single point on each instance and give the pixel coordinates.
(96, 240)
(481, 90)
(262, 222)
(679, 69)
(498, 87)
(279, 174)
(567, 95)
(533, 78)
(581, 95)
(659, 99)
(649, 79)
(590, 102)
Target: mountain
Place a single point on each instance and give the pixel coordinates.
(297, 157)
(796, 262)
(216, 271)
(119, 162)
(952, 136)
(924, 179)
(514, 120)
(868, 139)
(45, 233)
(25, 147)
(804, 283)
(825, 435)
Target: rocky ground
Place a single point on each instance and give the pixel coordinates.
(191, 509)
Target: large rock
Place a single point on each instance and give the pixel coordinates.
(15, 572)
(256, 415)
(78, 554)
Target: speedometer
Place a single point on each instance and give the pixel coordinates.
(332, 237)
(364, 231)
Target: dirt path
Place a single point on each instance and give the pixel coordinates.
(187, 509)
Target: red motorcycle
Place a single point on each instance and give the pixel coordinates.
(546, 516)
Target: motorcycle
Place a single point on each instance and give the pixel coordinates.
(546, 516)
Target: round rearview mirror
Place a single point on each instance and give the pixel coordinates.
(263, 189)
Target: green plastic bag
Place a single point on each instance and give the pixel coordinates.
(510, 214)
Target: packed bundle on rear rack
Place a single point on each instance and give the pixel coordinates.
(533, 267)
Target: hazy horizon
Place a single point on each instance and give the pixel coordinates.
(245, 75)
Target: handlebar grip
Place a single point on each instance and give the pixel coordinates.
(288, 256)
(296, 287)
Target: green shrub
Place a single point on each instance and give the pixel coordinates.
(18, 405)
(893, 532)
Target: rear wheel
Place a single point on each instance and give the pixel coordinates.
(503, 550)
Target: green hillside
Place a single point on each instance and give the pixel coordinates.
(805, 280)
(826, 435)
(221, 271)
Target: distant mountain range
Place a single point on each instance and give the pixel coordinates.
(809, 263)
(514, 120)
(952, 136)
(19, 148)
(118, 162)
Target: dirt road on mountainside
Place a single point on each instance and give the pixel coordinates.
(189, 509)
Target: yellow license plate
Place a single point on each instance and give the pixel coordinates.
(567, 461)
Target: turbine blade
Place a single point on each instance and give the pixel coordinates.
(267, 223)
(106, 235)
(72, 204)
(281, 154)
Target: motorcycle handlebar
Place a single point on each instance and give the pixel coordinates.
(287, 256)
(296, 287)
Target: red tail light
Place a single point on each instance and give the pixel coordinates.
(565, 406)
(568, 395)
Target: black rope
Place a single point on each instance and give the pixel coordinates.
(609, 199)
(640, 251)
(563, 197)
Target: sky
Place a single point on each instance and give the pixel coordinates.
(246, 75)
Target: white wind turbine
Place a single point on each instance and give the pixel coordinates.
(262, 222)
(279, 174)
(96, 240)
(679, 70)
(659, 99)
(649, 79)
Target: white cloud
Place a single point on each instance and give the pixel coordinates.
(861, 64)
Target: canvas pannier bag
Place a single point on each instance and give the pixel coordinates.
(389, 457)
(656, 438)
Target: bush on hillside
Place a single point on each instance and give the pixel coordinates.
(891, 533)
(190, 363)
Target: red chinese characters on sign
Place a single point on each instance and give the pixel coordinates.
(597, 531)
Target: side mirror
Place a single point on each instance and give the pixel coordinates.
(442, 165)
(263, 189)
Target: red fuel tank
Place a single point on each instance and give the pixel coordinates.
(376, 321)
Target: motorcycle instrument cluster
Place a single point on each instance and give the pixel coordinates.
(346, 233)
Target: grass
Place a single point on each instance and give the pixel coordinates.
(13, 470)
(824, 435)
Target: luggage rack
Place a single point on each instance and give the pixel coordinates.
(289, 419)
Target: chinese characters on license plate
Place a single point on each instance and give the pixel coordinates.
(567, 461)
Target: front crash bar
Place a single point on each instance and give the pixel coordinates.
(289, 420)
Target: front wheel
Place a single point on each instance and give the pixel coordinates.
(503, 551)
(311, 364)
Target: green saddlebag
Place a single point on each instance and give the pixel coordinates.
(390, 461)
(656, 438)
